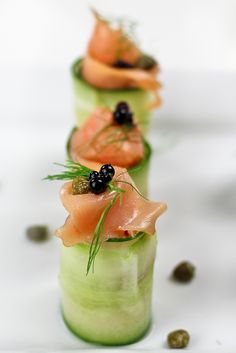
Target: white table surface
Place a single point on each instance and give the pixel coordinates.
(193, 170)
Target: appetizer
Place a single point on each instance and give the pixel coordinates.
(108, 253)
(112, 137)
(114, 69)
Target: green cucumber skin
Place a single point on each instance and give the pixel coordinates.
(111, 306)
(88, 98)
(139, 173)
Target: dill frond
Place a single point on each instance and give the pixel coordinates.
(72, 170)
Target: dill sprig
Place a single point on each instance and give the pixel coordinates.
(127, 26)
(99, 230)
(133, 187)
(117, 180)
(97, 236)
(72, 171)
(112, 136)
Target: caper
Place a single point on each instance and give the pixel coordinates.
(80, 186)
(146, 62)
(121, 64)
(178, 339)
(37, 233)
(184, 272)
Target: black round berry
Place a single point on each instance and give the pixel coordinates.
(119, 116)
(121, 64)
(129, 118)
(122, 106)
(93, 174)
(122, 114)
(122, 117)
(107, 169)
(97, 185)
(105, 176)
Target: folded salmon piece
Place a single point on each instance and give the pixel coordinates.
(104, 76)
(126, 217)
(102, 141)
(109, 44)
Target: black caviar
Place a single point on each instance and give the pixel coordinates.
(98, 180)
(97, 185)
(121, 64)
(122, 114)
(107, 172)
(93, 174)
(123, 106)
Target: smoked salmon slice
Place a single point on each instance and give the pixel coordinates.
(104, 76)
(101, 141)
(107, 47)
(126, 217)
(109, 44)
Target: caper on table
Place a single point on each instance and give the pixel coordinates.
(184, 272)
(178, 339)
(37, 233)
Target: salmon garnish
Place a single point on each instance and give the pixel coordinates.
(100, 140)
(106, 48)
(108, 44)
(132, 215)
(104, 76)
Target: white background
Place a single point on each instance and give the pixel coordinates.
(195, 43)
(183, 34)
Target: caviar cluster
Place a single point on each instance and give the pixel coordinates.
(121, 64)
(145, 62)
(122, 114)
(98, 180)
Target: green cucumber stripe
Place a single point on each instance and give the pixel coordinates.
(68, 142)
(147, 155)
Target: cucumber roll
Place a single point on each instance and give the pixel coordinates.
(115, 69)
(108, 253)
(112, 137)
(112, 306)
(88, 97)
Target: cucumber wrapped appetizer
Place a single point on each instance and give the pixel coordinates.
(115, 69)
(112, 137)
(108, 252)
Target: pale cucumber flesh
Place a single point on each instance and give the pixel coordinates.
(112, 305)
(88, 98)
